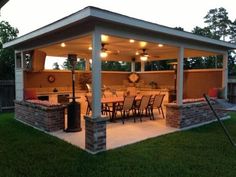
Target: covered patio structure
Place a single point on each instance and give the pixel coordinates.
(91, 31)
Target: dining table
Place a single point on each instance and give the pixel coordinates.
(114, 101)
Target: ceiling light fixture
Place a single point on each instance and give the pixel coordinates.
(131, 41)
(143, 44)
(104, 38)
(103, 53)
(63, 44)
(90, 48)
(144, 55)
(160, 45)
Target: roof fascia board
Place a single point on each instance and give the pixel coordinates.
(118, 18)
(125, 34)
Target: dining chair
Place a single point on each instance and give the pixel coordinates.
(104, 108)
(126, 107)
(157, 104)
(143, 106)
(89, 104)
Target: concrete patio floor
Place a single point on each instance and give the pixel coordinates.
(119, 135)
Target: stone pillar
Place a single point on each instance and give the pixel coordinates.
(95, 134)
(225, 75)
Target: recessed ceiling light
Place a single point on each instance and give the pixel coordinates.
(131, 41)
(90, 48)
(143, 44)
(104, 38)
(63, 44)
(160, 45)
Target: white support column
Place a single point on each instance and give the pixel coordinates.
(96, 75)
(225, 75)
(180, 75)
(19, 78)
(132, 66)
(87, 65)
(142, 66)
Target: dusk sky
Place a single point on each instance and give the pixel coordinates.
(29, 15)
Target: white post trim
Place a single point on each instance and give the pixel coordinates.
(142, 66)
(96, 75)
(132, 66)
(225, 75)
(180, 75)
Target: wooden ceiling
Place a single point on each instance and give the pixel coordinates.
(119, 49)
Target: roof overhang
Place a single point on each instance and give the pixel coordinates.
(89, 16)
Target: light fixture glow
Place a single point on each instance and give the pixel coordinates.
(104, 38)
(90, 61)
(90, 48)
(143, 58)
(103, 54)
(137, 53)
(131, 41)
(63, 44)
(143, 44)
(160, 45)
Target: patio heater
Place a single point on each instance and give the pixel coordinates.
(74, 119)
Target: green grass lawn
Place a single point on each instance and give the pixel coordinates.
(200, 152)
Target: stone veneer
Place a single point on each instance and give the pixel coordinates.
(47, 118)
(95, 134)
(191, 114)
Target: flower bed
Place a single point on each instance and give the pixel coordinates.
(41, 114)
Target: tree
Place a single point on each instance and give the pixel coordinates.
(232, 32)
(179, 28)
(219, 27)
(55, 66)
(7, 64)
(218, 22)
(80, 65)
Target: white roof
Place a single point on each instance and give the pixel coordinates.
(112, 17)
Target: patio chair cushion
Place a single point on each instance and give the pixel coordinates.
(213, 92)
(30, 95)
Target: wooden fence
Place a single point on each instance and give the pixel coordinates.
(7, 94)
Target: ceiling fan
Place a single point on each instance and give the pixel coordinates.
(144, 55)
(104, 51)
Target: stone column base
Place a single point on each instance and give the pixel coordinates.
(191, 114)
(95, 134)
